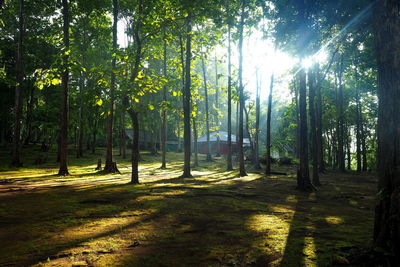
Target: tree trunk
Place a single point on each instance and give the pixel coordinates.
(187, 99)
(64, 101)
(268, 134)
(313, 125)
(179, 146)
(218, 153)
(252, 146)
(79, 151)
(242, 169)
(123, 133)
(296, 97)
(94, 133)
(303, 176)
(109, 166)
(363, 142)
(209, 157)
(135, 147)
(195, 137)
(229, 156)
(29, 116)
(257, 135)
(340, 125)
(16, 156)
(348, 148)
(164, 111)
(387, 212)
(320, 140)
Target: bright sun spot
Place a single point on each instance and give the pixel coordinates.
(307, 62)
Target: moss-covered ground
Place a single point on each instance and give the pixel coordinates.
(212, 219)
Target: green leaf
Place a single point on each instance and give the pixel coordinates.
(151, 107)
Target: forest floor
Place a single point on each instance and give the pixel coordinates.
(212, 219)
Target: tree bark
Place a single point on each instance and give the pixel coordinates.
(303, 176)
(135, 147)
(64, 101)
(79, 151)
(164, 111)
(313, 125)
(218, 153)
(340, 125)
(187, 99)
(268, 134)
(320, 140)
(229, 156)
(109, 166)
(16, 155)
(195, 137)
(29, 112)
(387, 212)
(242, 169)
(363, 144)
(209, 157)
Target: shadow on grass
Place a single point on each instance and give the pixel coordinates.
(241, 223)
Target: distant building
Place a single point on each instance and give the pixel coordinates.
(223, 139)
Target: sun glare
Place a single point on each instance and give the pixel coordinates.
(307, 62)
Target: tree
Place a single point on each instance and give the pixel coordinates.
(313, 125)
(209, 157)
(110, 166)
(187, 99)
(268, 135)
(164, 111)
(64, 96)
(242, 169)
(387, 212)
(16, 157)
(229, 156)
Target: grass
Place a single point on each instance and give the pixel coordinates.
(212, 219)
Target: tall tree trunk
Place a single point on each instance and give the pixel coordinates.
(358, 125)
(296, 97)
(64, 101)
(209, 157)
(257, 135)
(187, 98)
(303, 176)
(218, 153)
(320, 140)
(79, 151)
(135, 147)
(16, 156)
(313, 125)
(229, 156)
(268, 134)
(164, 111)
(242, 169)
(110, 165)
(341, 154)
(387, 212)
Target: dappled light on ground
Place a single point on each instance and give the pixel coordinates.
(213, 219)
